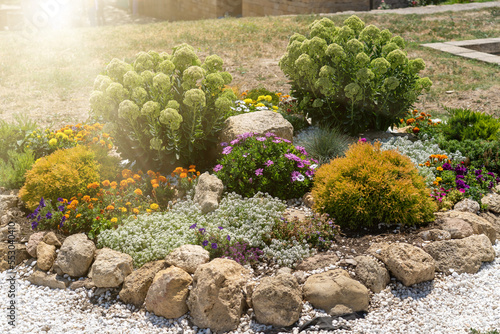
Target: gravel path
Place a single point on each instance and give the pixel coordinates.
(450, 304)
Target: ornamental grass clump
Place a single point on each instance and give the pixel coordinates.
(355, 76)
(252, 163)
(164, 108)
(371, 186)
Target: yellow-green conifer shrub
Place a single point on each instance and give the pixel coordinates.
(370, 186)
(62, 174)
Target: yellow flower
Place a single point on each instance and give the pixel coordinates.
(123, 183)
(68, 132)
(137, 177)
(66, 216)
(260, 105)
(123, 209)
(439, 168)
(128, 203)
(53, 142)
(148, 210)
(105, 183)
(260, 98)
(102, 142)
(113, 184)
(154, 206)
(192, 170)
(138, 192)
(95, 140)
(438, 179)
(130, 180)
(248, 101)
(268, 98)
(183, 175)
(78, 215)
(275, 107)
(135, 211)
(110, 207)
(156, 185)
(114, 220)
(86, 198)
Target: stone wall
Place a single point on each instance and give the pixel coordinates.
(392, 3)
(286, 7)
(175, 10)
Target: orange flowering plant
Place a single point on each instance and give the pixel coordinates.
(419, 122)
(113, 202)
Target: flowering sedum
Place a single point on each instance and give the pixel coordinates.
(163, 108)
(354, 76)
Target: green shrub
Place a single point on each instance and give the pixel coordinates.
(12, 135)
(370, 186)
(355, 77)
(467, 124)
(64, 173)
(478, 153)
(12, 171)
(253, 163)
(164, 109)
(324, 143)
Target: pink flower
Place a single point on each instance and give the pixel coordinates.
(259, 171)
(227, 150)
(218, 168)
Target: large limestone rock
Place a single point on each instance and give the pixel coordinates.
(33, 243)
(277, 301)
(50, 280)
(462, 255)
(51, 239)
(168, 293)
(217, 300)
(46, 255)
(260, 122)
(136, 285)
(372, 274)
(8, 202)
(10, 232)
(317, 261)
(479, 225)
(377, 250)
(457, 228)
(188, 257)
(436, 234)
(76, 255)
(493, 219)
(110, 268)
(408, 263)
(335, 287)
(467, 205)
(18, 254)
(208, 192)
(493, 202)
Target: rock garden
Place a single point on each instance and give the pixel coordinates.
(185, 205)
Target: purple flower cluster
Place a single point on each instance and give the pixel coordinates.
(242, 253)
(37, 215)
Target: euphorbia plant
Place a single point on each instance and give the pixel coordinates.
(164, 108)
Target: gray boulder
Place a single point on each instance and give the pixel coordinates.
(208, 192)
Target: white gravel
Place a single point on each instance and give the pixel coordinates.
(450, 304)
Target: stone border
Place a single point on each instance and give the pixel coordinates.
(463, 49)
